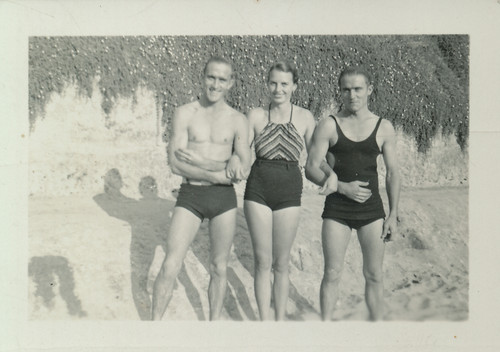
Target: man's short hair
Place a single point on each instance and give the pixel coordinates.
(220, 60)
(355, 70)
(285, 66)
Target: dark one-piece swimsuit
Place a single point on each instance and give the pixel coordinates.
(355, 161)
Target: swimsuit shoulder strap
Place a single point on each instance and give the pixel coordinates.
(269, 113)
(377, 126)
(337, 126)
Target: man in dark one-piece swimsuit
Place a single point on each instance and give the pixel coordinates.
(352, 140)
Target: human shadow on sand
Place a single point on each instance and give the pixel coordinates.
(44, 270)
(149, 219)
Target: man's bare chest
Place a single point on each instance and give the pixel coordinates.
(211, 130)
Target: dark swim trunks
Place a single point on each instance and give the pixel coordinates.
(275, 183)
(206, 201)
(353, 224)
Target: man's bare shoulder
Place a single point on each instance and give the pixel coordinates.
(386, 126)
(325, 129)
(386, 131)
(188, 109)
(327, 123)
(235, 114)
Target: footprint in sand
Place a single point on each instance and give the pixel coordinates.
(414, 240)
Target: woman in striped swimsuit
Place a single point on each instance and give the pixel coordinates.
(274, 188)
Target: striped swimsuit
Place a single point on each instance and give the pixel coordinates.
(275, 179)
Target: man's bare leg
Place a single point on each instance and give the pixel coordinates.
(183, 229)
(335, 237)
(222, 228)
(259, 219)
(373, 248)
(285, 223)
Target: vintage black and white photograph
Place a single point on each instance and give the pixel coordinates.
(188, 176)
(254, 175)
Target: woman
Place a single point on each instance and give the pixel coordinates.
(279, 133)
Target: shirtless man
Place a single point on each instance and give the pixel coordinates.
(352, 141)
(205, 134)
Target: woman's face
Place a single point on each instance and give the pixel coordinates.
(281, 86)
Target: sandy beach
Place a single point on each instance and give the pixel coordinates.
(97, 258)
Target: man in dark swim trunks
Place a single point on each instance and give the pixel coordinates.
(205, 134)
(352, 141)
